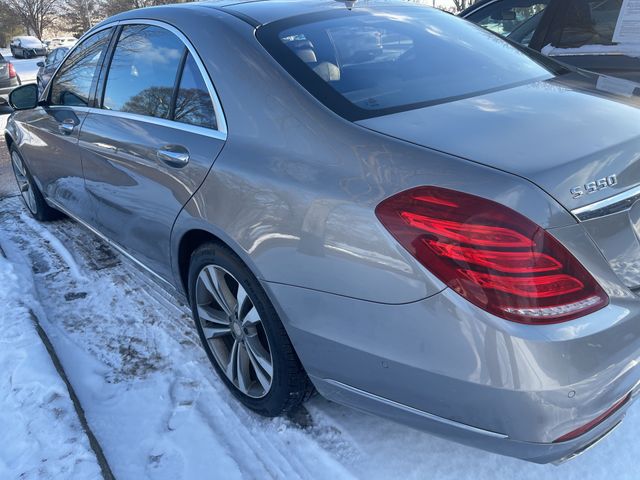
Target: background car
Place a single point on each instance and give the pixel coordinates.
(8, 79)
(27, 47)
(582, 33)
(62, 42)
(47, 67)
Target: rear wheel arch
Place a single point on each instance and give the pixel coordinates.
(191, 240)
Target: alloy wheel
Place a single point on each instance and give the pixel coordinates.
(24, 183)
(234, 331)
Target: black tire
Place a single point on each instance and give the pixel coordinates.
(39, 209)
(290, 385)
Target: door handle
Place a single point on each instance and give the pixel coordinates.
(174, 155)
(66, 127)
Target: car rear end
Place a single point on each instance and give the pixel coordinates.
(531, 347)
(8, 80)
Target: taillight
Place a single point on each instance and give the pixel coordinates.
(491, 255)
(12, 71)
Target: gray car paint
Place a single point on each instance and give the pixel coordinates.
(292, 192)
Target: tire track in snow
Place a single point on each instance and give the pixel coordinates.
(109, 309)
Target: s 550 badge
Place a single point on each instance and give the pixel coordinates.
(593, 187)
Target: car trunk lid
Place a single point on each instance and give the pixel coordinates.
(577, 137)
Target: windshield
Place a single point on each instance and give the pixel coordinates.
(31, 42)
(371, 62)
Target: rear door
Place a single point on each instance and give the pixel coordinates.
(152, 141)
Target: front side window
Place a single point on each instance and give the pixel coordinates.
(143, 71)
(363, 64)
(193, 103)
(506, 16)
(72, 84)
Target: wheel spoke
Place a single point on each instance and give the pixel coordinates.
(17, 162)
(232, 361)
(233, 330)
(241, 299)
(251, 318)
(215, 283)
(259, 354)
(206, 314)
(242, 366)
(215, 332)
(263, 377)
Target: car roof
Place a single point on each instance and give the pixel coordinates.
(260, 12)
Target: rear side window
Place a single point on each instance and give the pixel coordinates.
(193, 103)
(72, 84)
(363, 65)
(143, 71)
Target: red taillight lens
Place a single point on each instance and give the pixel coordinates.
(491, 255)
(12, 71)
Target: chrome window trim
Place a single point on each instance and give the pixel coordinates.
(208, 132)
(221, 120)
(618, 203)
(219, 133)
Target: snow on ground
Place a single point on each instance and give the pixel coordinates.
(159, 411)
(40, 435)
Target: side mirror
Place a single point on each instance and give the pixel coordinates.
(24, 97)
(40, 64)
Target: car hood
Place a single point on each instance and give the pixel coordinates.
(559, 134)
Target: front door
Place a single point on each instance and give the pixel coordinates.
(52, 128)
(151, 143)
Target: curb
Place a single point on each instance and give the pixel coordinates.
(107, 474)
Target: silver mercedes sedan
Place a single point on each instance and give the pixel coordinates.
(378, 201)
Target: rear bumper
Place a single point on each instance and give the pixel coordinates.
(465, 434)
(6, 87)
(445, 366)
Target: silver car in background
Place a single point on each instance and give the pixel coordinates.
(379, 201)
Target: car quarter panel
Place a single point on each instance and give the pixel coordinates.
(444, 356)
(295, 189)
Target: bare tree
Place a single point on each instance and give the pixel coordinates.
(462, 4)
(80, 15)
(34, 15)
(112, 7)
(8, 26)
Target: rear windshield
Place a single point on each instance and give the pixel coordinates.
(370, 62)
